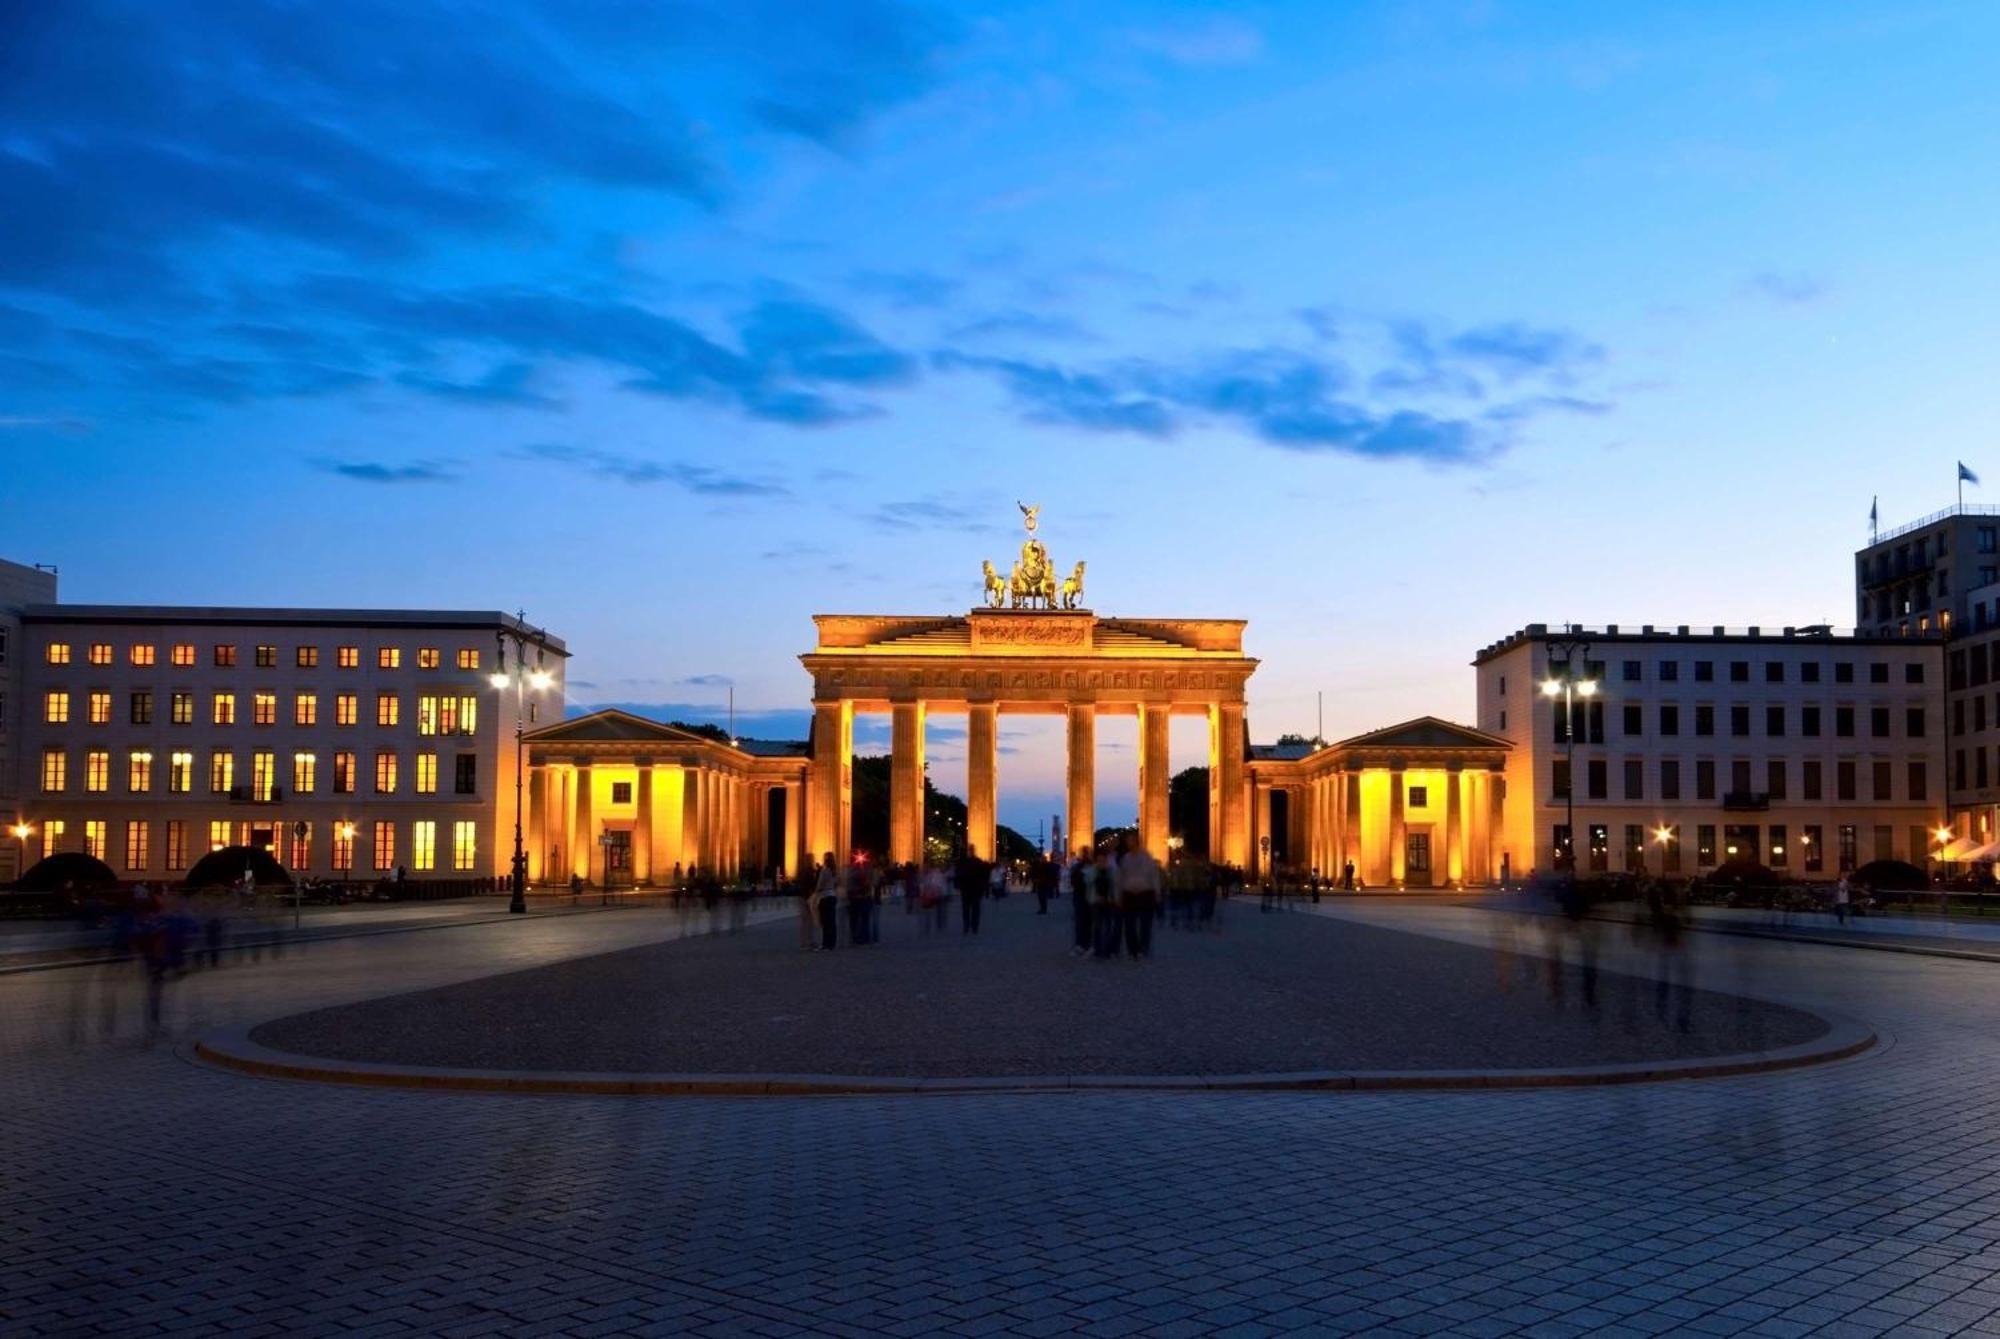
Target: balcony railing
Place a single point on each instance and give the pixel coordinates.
(1746, 801)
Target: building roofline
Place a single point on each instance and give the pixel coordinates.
(247, 616)
(1812, 634)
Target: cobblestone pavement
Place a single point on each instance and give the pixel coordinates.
(140, 1193)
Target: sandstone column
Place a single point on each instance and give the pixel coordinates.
(1399, 840)
(1153, 765)
(1264, 851)
(1228, 743)
(537, 842)
(795, 796)
(642, 824)
(691, 852)
(827, 780)
(1454, 829)
(982, 777)
(906, 782)
(583, 832)
(1081, 819)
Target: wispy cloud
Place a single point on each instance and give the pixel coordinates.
(381, 472)
(44, 423)
(906, 288)
(1786, 289)
(506, 384)
(703, 480)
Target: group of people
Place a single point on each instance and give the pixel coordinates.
(862, 888)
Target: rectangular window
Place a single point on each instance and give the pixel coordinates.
(141, 654)
(1780, 856)
(1913, 722)
(1809, 671)
(55, 773)
(1635, 779)
(1843, 780)
(263, 776)
(1883, 789)
(93, 837)
(346, 709)
(225, 657)
(1704, 779)
(177, 844)
(427, 657)
(181, 707)
(183, 656)
(1809, 722)
(1774, 722)
(1809, 779)
(1739, 721)
(385, 772)
(1739, 671)
(225, 709)
(343, 847)
(52, 835)
(1598, 779)
(1878, 673)
(141, 706)
(385, 846)
(100, 653)
(1843, 722)
(57, 653)
(219, 834)
(468, 659)
(1670, 671)
(138, 845)
(1848, 848)
(1843, 671)
(1913, 671)
(1558, 778)
(305, 773)
(263, 708)
(180, 773)
(139, 772)
(1635, 846)
(1634, 724)
(427, 714)
(1631, 672)
(1704, 844)
(1670, 778)
(1812, 848)
(99, 710)
(305, 709)
(55, 708)
(347, 657)
(308, 657)
(1774, 671)
(465, 775)
(427, 774)
(267, 657)
(1920, 781)
(1774, 778)
(221, 772)
(388, 708)
(1878, 722)
(299, 835)
(1670, 718)
(464, 845)
(1594, 717)
(423, 845)
(343, 773)
(1739, 776)
(1600, 847)
(1704, 719)
(388, 657)
(97, 771)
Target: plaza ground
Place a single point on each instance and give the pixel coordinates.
(143, 1193)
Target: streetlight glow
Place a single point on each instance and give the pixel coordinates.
(1943, 835)
(540, 679)
(1586, 688)
(1663, 834)
(1552, 688)
(499, 679)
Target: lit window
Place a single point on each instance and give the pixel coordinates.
(93, 838)
(139, 773)
(183, 708)
(388, 708)
(263, 708)
(218, 834)
(468, 658)
(427, 715)
(346, 709)
(225, 657)
(343, 847)
(138, 844)
(142, 653)
(177, 844)
(52, 834)
(423, 845)
(55, 708)
(225, 709)
(385, 772)
(388, 657)
(305, 709)
(55, 779)
(183, 654)
(305, 767)
(100, 653)
(263, 776)
(343, 773)
(464, 844)
(308, 657)
(180, 773)
(57, 654)
(221, 772)
(427, 657)
(385, 845)
(468, 716)
(100, 708)
(300, 834)
(97, 771)
(427, 773)
(267, 657)
(347, 657)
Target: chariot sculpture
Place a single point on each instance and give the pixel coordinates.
(1031, 583)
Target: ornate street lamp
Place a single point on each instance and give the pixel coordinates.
(523, 680)
(1569, 688)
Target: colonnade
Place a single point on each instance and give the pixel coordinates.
(659, 815)
(1366, 816)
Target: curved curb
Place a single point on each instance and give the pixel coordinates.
(232, 1049)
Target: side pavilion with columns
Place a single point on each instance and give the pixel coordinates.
(617, 794)
(1416, 805)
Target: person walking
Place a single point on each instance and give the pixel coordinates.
(969, 876)
(1139, 888)
(1045, 877)
(861, 881)
(1076, 877)
(802, 893)
(826, 892)
(1105, 929)
(933, 900)
(1843, 899)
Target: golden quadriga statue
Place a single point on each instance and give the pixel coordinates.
(1032, 583)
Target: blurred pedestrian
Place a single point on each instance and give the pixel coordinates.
(827, 893)
(933, 900)
(1106, 930)
(1139, 888)
(1077, 876)
(969, 877)
(802, 893)
(1843, 899)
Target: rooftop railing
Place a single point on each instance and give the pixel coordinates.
(1959, 509)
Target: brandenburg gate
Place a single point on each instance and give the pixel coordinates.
(1030, 651)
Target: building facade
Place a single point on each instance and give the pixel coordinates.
(351, 743)
(1800, 749)
(19, 587)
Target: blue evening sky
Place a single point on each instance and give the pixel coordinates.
(1389, 327)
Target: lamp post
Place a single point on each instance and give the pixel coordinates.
(1569, 688)
(523, 680)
